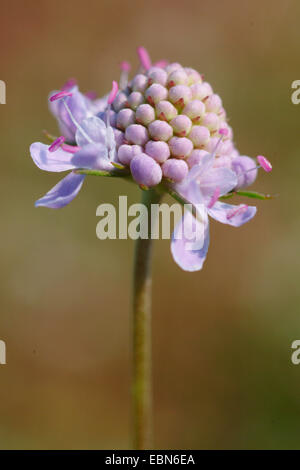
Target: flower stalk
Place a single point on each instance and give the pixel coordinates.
(142, 367)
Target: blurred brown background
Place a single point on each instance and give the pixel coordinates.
(221, 337)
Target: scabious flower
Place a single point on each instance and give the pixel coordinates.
(95, 149)
(81, 106)
(164, 127)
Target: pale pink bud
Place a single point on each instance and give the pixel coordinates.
(139, 83)
(145, 114)
(178, 77)
(135, 99)
(160, 130)
(180, 147)
(125, 117)
(157, 75)
(201, 90)
(156, 93)
(199, 135)
(136, 134)
(211, 121)
(158, 150)
(119, 137)
(181, 125)
(127, 152)
(195, 110)
(175, 170)
(145, 170)
(165, 110)
(171, 67)
(180, 95)
(193, 76)
(213, 104)
(120, 101)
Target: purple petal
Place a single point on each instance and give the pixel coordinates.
(94, 128)
(187, 259)
(205, 164)
(223, 213)
(221, 178)
(63, 193)
(78, 106)
(50, 161)
(190, 191)
(92, 156)
(98, 105)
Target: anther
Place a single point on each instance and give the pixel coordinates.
(56, 144)
(60, 95)
(214, 198)
(264, 163)
(144, 58)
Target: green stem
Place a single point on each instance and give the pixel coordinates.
(142, 373)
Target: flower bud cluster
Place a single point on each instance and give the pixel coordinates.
(167, 119)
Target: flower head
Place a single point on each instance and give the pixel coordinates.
(165, 125)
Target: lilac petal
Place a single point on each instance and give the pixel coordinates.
(92, 156)
(205, 164)
(78, 106)
(63, 193)
(50, 161)
(221, 178)
(187, 259)
(98, 105)
(222, 213)
(94, 128)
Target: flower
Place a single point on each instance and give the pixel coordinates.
(204, 185)
(96, 149)
(164, 126)
(81, 107)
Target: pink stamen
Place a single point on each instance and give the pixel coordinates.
(70, 148)
(161, 63)
(69, 84)
(144, 58)
(60, 95)
(56, 144)
(125, 66)
(214, 198)
(264, 163)
(223, 131)
(238, 211)
(113, 93)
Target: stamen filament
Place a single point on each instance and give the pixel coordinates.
(76, 124)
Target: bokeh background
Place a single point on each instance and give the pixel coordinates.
(223, 376)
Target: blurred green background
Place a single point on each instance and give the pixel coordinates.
(222, 337)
